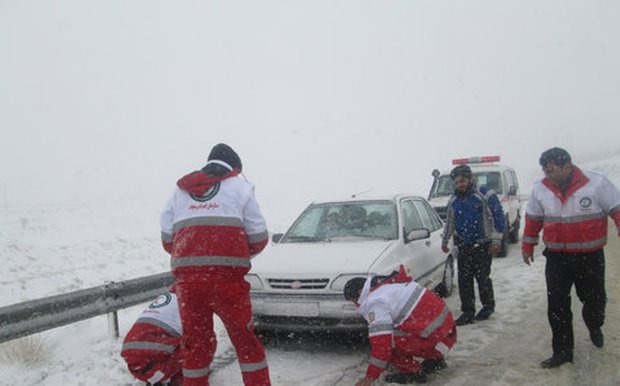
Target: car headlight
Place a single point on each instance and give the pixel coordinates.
(339, 283)
(255, 282)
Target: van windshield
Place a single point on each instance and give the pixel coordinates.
(445, 185)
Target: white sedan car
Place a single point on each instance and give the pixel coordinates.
(298, 281)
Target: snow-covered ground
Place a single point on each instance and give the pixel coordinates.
(47, 250)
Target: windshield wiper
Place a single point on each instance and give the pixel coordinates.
(374, 237)
(302, 239)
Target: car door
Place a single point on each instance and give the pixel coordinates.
(418, 254)
(431, 221)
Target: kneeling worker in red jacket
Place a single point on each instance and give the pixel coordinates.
(152, 346)
(405, 322)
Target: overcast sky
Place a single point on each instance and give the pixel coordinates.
(105, 100)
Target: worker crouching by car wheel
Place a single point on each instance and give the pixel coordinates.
(405, 322)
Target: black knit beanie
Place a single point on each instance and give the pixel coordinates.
(223, 152)
(353, 288)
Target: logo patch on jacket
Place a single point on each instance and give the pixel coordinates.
(371, 317)
(209, 194)
(161, 301)
(585, 202)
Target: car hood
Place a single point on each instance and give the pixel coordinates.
(326, 258)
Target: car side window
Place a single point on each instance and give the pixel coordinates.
(429, 217)
(411, 217)
(507, 181)
(515, 183)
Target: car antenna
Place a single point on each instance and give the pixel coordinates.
(354, 195)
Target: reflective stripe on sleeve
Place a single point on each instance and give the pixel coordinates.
(256, 237)
(167, 237)
(380, 329)
(535, 217)
(158, 376)
(411, 302)
(201, 261)
(148, 346)
(435, 324)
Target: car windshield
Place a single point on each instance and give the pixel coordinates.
(445, 185)
(345, 220)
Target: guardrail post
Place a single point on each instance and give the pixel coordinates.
(113, 325)
(112, 316)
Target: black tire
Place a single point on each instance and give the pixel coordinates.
(513, 238)
(446, 287)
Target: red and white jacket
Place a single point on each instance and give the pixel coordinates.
(153, 340)
(212, 226)
(576, 221)
(398, 307)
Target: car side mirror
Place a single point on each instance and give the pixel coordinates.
(276, 237)
(512, 191)
(417, 234)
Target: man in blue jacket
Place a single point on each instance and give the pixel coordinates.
(476, 221)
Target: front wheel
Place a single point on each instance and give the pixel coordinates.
(513, 237)
(445, 288)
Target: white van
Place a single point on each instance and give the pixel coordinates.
(490, 172)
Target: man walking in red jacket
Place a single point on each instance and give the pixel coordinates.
(212, 226)
(406, 322)
(571, 206)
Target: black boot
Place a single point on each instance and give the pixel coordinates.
(596, 336)
(465, 319)
(405, 378)
(484, 313)
(431, 365)
(557, 360)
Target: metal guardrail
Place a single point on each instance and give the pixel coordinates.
(22, 319)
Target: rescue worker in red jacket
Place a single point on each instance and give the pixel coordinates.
(572, 207)
(152, 346)
(405, 322)
(212, 226)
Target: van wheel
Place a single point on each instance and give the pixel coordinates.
(445, 288)
(513, 238)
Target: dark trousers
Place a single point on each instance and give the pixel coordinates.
(474, 262)
(587, 272)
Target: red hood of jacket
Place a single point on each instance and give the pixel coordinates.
(400, 277)
(198, 183)
(577, 181)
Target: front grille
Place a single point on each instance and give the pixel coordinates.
(295, 284)
(296, 322)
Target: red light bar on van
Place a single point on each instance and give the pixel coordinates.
(475, 160)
